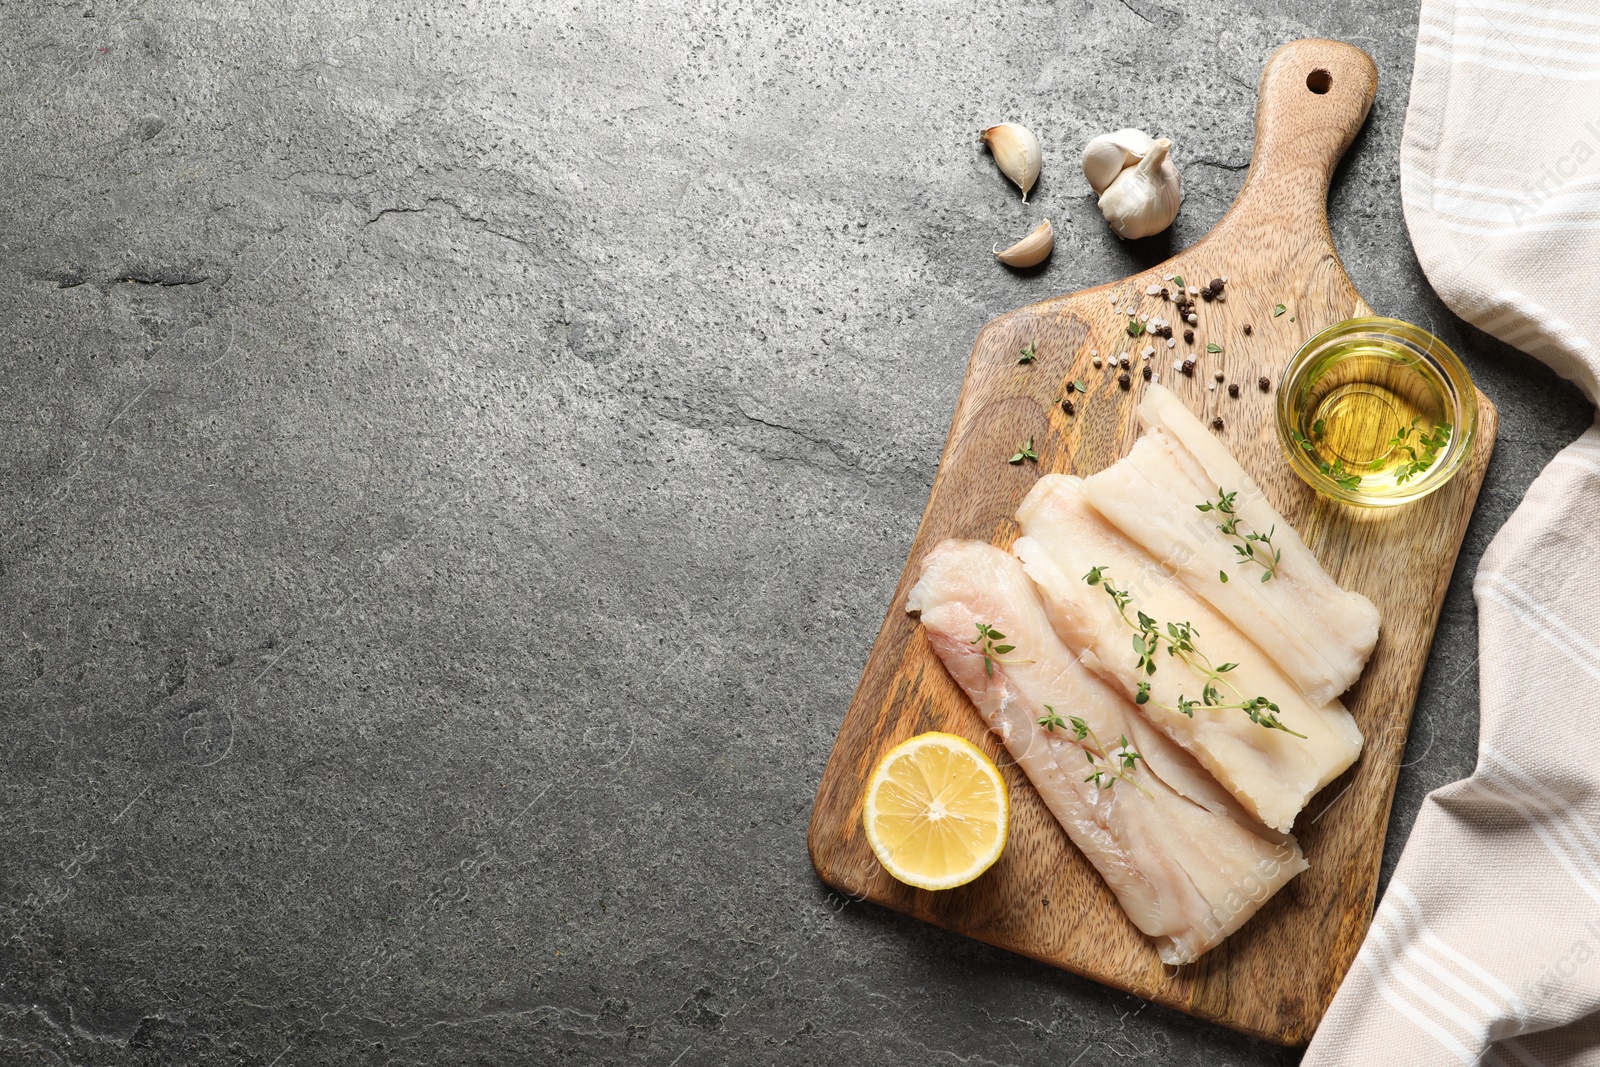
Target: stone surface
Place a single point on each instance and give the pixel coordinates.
(457, 460)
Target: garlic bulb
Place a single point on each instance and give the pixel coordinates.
(1016, 153)
(1110, 154)
(1143, 199)
(1032, 250)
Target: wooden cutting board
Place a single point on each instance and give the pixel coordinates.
(1274, 977)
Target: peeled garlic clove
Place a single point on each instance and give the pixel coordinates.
(1016, 153)
(1032, 250)
(1110, 154)
(1144, 198)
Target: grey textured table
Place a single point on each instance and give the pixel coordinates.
(456, 462)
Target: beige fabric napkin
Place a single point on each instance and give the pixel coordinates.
(1486, 946)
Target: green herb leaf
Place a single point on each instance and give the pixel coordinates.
(1278, 309)
(1212, 346)
(1223, 576)
(1050, 720)
(1028, 354)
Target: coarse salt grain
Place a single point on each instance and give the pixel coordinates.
(1171, 342)
(1152, 290)
(1212, 386)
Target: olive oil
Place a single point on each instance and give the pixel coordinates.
(1375, 413)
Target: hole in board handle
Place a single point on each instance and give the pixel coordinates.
(1319, 81)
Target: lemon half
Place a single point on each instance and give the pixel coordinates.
(936, 811)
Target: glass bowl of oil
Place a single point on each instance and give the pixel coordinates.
(1376, 412)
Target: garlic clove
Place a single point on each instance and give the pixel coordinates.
(1110, 154)
(1016, 153)
(1144, 199)
(1032, 250)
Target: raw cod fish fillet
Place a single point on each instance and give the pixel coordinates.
(1186, 863)
(1319, 634)
(1271, 772)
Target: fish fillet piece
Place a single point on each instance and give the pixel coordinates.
(1271, 772)
(1319, 634)
(1188, 873)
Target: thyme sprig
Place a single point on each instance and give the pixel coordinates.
(1024, 452)
(1248, 541)
(989, 637)
(1429, 442)
(1103, 762)
(1179, 638)
(1028, 355)
(1335, 470)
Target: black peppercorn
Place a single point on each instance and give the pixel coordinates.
(1188, 367)
(1233, 389)
(1123, 380)
(1147, 372)
(1188, 336)
(1217, 284)
(1207, 294)
(1066, 405)
(1216, 423)
(1248, 329)
(1265, 383)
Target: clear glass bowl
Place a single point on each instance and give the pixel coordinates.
(1376, 412)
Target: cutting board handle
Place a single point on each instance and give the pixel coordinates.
(1314, 96)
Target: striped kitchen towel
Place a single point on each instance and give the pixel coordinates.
(1486, 947)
